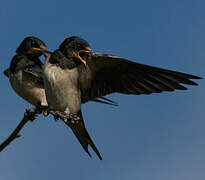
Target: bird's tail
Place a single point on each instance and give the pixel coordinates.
(6, 72)
(82, 135)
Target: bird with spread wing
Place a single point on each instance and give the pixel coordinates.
(74, 75)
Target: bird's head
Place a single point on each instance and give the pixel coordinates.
(73, 45)
(31, 46)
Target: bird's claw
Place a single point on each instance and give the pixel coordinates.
(42, 109)
(73, 118)
(31, 114)
(45, 113)
(57, 115)
(60, 115)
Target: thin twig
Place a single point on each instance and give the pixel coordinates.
(29, 115)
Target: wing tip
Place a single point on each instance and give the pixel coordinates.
(195, 77)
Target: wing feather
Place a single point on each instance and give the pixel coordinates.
(112, 74)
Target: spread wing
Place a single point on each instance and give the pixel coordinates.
(110, 74)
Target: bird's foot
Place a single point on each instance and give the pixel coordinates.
(31, 114)
(73, 118)
(42, 109)
(46, 111)
(57, 114)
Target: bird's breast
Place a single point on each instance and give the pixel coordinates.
(61, 87)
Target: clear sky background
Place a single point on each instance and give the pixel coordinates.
(157, 137)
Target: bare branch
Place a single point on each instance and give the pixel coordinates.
(29, 115)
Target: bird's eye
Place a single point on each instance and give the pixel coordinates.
(79, 46)
(34, 44)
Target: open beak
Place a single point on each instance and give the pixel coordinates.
(80, 58)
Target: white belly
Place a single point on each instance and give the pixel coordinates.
(61, 88)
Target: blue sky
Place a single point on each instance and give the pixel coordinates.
(156, 137)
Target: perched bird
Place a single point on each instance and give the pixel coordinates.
(25, 73)
(74, 75)
(63, 95)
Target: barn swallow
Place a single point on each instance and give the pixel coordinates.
(69, 101)
(25, 73)
(74, 75)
